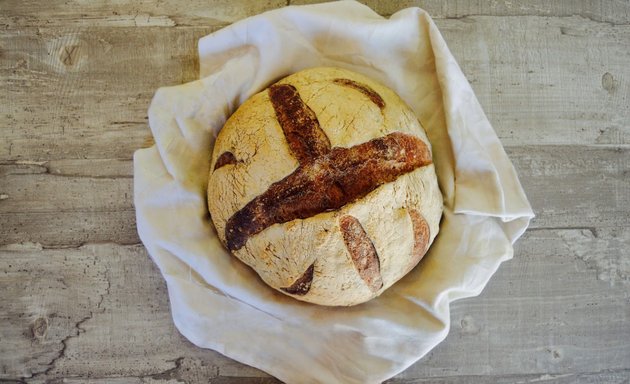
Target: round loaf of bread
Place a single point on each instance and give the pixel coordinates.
(324, 184)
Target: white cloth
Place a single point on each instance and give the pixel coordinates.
(219, 303)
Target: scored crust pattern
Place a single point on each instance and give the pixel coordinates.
(362, 251)
(225, 159)
(328, 178)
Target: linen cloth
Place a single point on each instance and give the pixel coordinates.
(219, 303)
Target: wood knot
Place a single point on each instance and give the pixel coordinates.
(69, 55)
(609, 83)
(40, 327)
(556, 354)
(469, 327)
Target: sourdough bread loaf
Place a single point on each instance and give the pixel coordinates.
(324, 185)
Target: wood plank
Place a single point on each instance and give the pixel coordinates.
(535, 318)
(198, 12)
(74, 93)
(613, 12)
(112, 294)
(60, 106)
(173, 377)
(46, 299)
(532, 85)
(69, 229)
(559, 307)
(55, 194)
(94, 168)
(77, 13)
(573, 186)
(85, 201)
(67, 202)
(605, 377)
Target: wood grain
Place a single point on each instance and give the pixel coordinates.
(73, 93)
(550, 314)
(78, 290)
(565, 185)
(535, 89)
(575, 186)
(109, 96)
(613, 12)
(61, 203)
(169, 13)
(533, 318)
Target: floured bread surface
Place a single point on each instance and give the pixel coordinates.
(324, 184)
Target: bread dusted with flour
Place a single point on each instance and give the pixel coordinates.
(324, 184)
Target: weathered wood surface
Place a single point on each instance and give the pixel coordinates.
(534, 319)
(80, 299)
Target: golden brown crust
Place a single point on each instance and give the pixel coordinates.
(362, 251)
(328, 183)
(315, 181)
(421, 237)
(364, 89)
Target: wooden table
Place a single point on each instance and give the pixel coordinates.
(81, 299)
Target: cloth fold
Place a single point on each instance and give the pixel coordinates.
(219, 303)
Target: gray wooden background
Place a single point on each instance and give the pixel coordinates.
(80, 300)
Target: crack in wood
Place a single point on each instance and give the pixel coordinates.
(169, 374)
(593, 230)
(130, 122)
(79, 331)
(38, 247)
(606, 375)
(64, 346)
(98, 177)
(470, 16)
(25, 168)
(87, 244)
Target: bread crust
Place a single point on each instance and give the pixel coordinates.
(324, 185)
